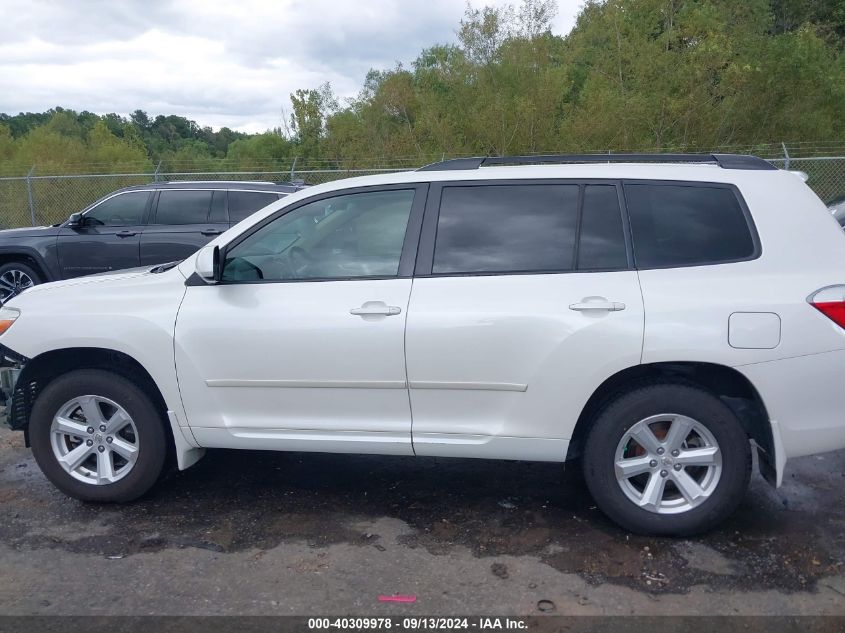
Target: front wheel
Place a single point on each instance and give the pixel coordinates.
(15, 277)
(97, 436)
(667, 459)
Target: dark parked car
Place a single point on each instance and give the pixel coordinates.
(136, 226)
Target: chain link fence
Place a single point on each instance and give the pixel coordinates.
(40, 200)
(826, 174)
(36, 200)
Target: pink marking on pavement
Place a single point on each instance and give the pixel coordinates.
(397, 598)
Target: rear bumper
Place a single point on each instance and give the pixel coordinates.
(804, 400)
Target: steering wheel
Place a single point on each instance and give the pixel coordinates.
(285, 268)
(299, 259)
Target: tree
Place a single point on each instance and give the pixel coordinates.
(311, 108)
(632, 75)
(484, 31)
(113, 154)
(534, 18)
(7, 144)
(260, 152)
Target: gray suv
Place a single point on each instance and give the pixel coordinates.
(135, 226)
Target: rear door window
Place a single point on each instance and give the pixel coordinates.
(183, 207)
(506, 228)
(243, 204)
(687, 225)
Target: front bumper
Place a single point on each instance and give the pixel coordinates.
(11, 366)
(8, 379)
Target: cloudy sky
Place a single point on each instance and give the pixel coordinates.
(219, 63)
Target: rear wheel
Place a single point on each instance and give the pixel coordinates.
(15, 277)
(97, 436)
(668, 459)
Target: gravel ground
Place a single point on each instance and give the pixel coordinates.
(294, 533)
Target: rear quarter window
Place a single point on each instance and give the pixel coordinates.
(687, 225)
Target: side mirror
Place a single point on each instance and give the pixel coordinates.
(208, 264)
(75, 220)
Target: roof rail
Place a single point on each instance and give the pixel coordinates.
(725, 161)
(214, 182)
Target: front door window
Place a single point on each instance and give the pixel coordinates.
(125, 209)
(344, 237)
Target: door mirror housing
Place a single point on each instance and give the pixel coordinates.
(75, 220)
(208, 264)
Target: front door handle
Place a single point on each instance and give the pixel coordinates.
(209, 232)
(127, 234)
(597, 303)
(375, 308)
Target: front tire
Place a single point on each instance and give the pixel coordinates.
(15, 277)
(667, 459)
(97, 437)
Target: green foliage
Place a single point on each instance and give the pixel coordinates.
(70, 143)
(311, 109)
(632, 75)
(261, 152)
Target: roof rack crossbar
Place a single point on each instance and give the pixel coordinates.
(725, 161)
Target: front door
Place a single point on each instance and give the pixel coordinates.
(107, 238)
(525, 301)
(301, 347)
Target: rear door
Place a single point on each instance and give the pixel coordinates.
(524, 300)
(107, 237)
(182, 221)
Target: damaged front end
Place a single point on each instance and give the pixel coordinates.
(13, 396)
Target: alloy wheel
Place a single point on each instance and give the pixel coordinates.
(12, 283)
(668, 463)
(94, 439)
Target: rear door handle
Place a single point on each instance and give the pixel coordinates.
(212, 232)
(127, 234)
(376, 308)
(597, 304)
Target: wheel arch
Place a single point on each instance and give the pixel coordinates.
(732, 387)
(30, 257)
(39, 371)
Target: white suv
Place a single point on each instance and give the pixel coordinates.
(658, 321)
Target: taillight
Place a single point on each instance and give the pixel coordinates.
(833, 310)
(830, 302)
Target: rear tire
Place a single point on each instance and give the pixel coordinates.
(667, 459)
(15, 277)
(104, 429)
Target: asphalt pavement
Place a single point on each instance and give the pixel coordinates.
(254, 533)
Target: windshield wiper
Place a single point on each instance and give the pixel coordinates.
(163, 268)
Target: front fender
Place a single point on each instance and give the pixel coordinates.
(44, 253)
(130, 315)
